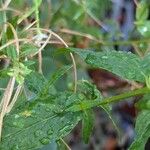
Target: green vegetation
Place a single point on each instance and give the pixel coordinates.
(44, 91)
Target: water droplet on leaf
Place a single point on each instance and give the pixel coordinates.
(17, 116)
(38, 133)
(18, 124)
(81, 96)
(65, 129)
(48, 109)
(104, 57)
(45, 141)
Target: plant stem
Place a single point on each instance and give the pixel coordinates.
(90, 104)
(123, 96)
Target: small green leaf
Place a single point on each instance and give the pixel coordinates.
(88, 95)
(142, 11)
(12, 53)
(32, 84)
(89, 90)
(55, 76)
(19, 71)
(87, 124)
(144, 28)
(27, 50)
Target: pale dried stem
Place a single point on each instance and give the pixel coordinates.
(9, 90)
(10, 106)
(71, 32)
(40, 62)
(56, 42)
(30, 25)
(67, 146)
(11, 9)
(7, 2)
(14, 41)
(40, 53)
(137, 50)
(5, 101)
(45, 43)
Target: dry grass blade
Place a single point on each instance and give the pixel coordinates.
(67, 146)
(7, 2)
(40, 62)
(14, 41)
(11, 9)
(57, 42)
(10, 106)
(44, 44)
(71, 32)
(40, 53)
(30, 25)
(5, 101)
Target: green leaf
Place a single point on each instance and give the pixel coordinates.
(32, 84)
(126, 65)
(107, 109)
(11, 52)
(145, 62)
(88, 95)
(37, 3)
(142, 129)
(144, 28)
(19, 71)
(27, 50)
(144, 103)
(122, 64)
(88, 90)
(142, 11)
(55, 76)
(37, 123)
(87, 125)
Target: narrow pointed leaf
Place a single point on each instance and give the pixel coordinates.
(34, 82)
(142, 129)
(55, 76)
(87, 125)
